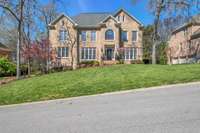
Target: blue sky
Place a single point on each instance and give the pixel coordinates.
(138, 10)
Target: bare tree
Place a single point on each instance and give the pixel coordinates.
(165, 8)
(8, 30)
(15, 8)
(29, 25)
(70, 41)
(48, 13)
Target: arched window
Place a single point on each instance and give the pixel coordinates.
(109, 35)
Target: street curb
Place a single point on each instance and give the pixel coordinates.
(103, 94)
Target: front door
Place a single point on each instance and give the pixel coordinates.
(109, 53)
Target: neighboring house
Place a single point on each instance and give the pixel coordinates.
(99, 37)
(4, 51)
(184, 43)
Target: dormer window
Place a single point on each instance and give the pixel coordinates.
(63, 35)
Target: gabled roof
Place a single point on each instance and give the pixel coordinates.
(89, 19)
(60, 17)
(195, 20)
(134, 18)
(109, 17)
(196, 34)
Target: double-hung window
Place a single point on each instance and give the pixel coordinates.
(93, 36)
(63, 35)
(63, 52)
(124, 36)
(88, 53)
(134, 36)
(130, 53)
(83, 36)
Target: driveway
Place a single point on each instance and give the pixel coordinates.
(170, 109)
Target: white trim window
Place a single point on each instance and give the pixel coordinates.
(63, 34)
(93, 36)
(134, 36)
(118, 18)
(83, 36)
(124, 36)
(123, 18)
(62, 52)
(130, 53)
(88, 53)
(109, 34)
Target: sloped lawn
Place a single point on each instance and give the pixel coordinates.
(96, 80)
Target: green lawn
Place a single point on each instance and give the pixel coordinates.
(96, 80)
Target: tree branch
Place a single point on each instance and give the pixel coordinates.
(10, 11)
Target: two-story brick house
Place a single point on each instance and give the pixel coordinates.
(99, 36)
(184, 43)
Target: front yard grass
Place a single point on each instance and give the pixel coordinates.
(95, 81)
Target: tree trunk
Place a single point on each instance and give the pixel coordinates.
(18, 54)
(28, 35)
(72, 59)
(47, 61)
(19, 38)
(28, 61)
(154, 53)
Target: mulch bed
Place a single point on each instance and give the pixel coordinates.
(7, 80)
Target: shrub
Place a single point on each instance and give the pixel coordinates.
(146, 61)
(60, 68)
(7, 68)
(137, 62)
(89, 64)
(24, 69)
(120, 62)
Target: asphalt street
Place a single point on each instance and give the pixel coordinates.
(170, 109)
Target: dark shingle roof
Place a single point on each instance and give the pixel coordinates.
(90, 19)
(196, 34)
(85, 20)
(194, 20)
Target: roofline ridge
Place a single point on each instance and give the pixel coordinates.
(94, 13)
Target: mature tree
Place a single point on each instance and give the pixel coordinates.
(48, 12)
(16, 9)
(8, 31)
(29, 25)
(147, 43)
(70, 41)
(37, 53)
(163, 9)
